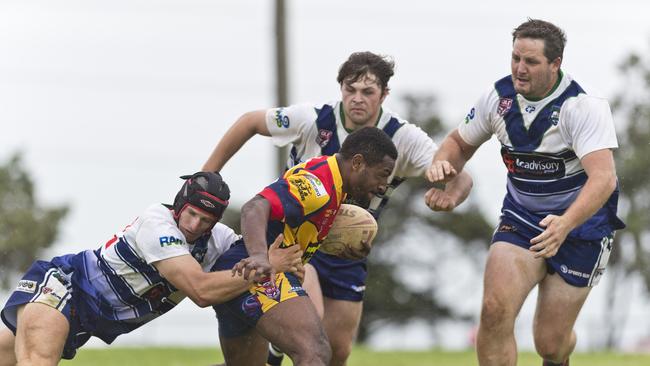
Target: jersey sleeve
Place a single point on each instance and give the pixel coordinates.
(415, 151)
(477, 126)
(586, 124)
(156, 240)
(289, 124)
(223, 237)
(296, 196)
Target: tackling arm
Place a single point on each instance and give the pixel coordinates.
(450, 158)
(211, 288)
(247, 126)
(203, 288)
(458, 188)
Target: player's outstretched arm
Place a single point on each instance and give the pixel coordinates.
(203, 288)
(450, 158)
(250, 124)
(455, 193)
(254, 219)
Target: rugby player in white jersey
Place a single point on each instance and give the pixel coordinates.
(559, 214)
(336, 285)
(142, 272)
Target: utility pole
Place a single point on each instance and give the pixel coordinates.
(281, 83)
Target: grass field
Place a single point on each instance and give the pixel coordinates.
(360, 357)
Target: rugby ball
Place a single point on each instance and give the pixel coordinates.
(351, 226)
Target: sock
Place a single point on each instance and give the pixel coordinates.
(275, 356)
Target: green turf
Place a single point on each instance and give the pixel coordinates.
(360, 357)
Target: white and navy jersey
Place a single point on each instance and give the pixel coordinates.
(542, 144)
(120, 276)
(315, 130)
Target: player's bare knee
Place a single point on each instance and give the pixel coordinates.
(552, 346)
(550, 352)
(310, 350)
(494, 314)
(7, 355)
(340, 353)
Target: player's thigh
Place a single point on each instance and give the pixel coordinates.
(246, 350)
(558, 305)
(293, 326)
(312, 286)
(511, 272)
(41, 333)
(7, 342)
(341, 321)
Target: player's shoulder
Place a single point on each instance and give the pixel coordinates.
(156, 219)
(310, 187)
(222, 231)
(405, 131)
(157, 212)
(391, 120)
(584, 100)
(295, 114)
(584, 105)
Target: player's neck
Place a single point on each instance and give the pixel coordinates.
(350, 126)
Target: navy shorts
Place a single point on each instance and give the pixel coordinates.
(340, 279)
(580, 263)
(45, 283)
(240, 315)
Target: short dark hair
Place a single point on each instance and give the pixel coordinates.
(361, 63)
(371, 142)
(553, 37)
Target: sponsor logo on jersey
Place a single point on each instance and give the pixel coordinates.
(281, 119)
(166, 241)
(307, 185)
(504, 106)
(317, 185)
(323, 137)
(26, 286)
(530, 109)
(555, 115)
(302, 186)
(470, 115)
(533, 166)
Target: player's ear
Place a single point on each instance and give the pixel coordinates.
(384, 94)
(358, 162)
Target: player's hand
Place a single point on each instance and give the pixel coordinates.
(441, 171)
(284, 259)
(300, 272)
(546, 244)
(356, 253)
(439, 200)
(255, 267)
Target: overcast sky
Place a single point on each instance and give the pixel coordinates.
(110, 101)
